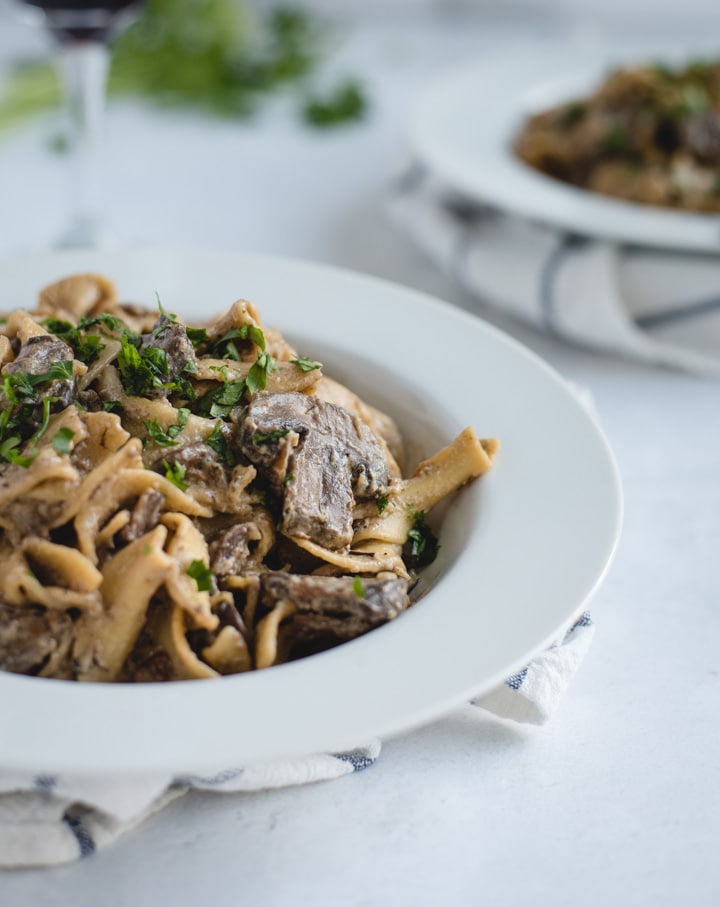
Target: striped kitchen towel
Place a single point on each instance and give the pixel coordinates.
(657, 306)
(50, 819)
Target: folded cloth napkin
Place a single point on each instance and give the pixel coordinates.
(658, 306)
(51, 819)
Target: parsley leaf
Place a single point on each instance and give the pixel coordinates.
(260, 438)
(424, 545)
(169, 315)
(145, 370)
(257, 376)
(86, 347)
(306, 365)
(202, 575)
(219, 403)
(166, 438)
(175, 473)
(9, 452)
(382, 503)
(61, 440)
(116, 325)
(197, 336)
(225, 347)
(358, 587)
(218, 442)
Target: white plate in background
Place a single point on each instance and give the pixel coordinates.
(464, 126)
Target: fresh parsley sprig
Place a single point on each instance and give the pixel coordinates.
(22, 393)
(219, 443)
(202, 575)
(87, 347)
(218, 404)
(166, 437)
(175, 473)
(305, 364)
(145, 369)
(424, 545)
(262, 438)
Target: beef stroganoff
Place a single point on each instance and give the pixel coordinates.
(181, 502)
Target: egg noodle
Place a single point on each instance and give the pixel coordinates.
(183, 502)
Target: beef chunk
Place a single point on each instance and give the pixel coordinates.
(230, 551)
(29, 636)
(35, 356)
(144, 516)
(332, 609)
(171, 337)
(318, 457)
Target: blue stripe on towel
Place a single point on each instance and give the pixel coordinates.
(84, 839)
(583, 621)
(409, 179)
(359, 759)
(679, 313)
(565, 245)
(515, 681)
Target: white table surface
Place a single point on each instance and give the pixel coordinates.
(617, 800)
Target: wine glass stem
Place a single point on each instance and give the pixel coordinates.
(83, 70)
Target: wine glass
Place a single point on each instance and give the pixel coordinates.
(82, 31)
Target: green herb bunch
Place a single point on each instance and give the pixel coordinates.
(208, 55)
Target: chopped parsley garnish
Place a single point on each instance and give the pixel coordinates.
(424, 545)
(197, 336)
(358, 587)
(145, 370)
(62, 441)
(257, 376)
(9, 452)
(112, 406)
(220, 403)
(87, 347)
(175, 473)
(306, 365)
(290, 477)
(226, 348)
(218, 442)
(261, 438)
(202, 575)
(20, 387)
(382, 503)
(116, 325)
(20, 412)
(166, 437)
(169, 315)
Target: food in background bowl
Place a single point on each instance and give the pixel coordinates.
(649, 134)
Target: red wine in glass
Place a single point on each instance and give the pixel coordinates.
(83, 30)
(82, 20)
